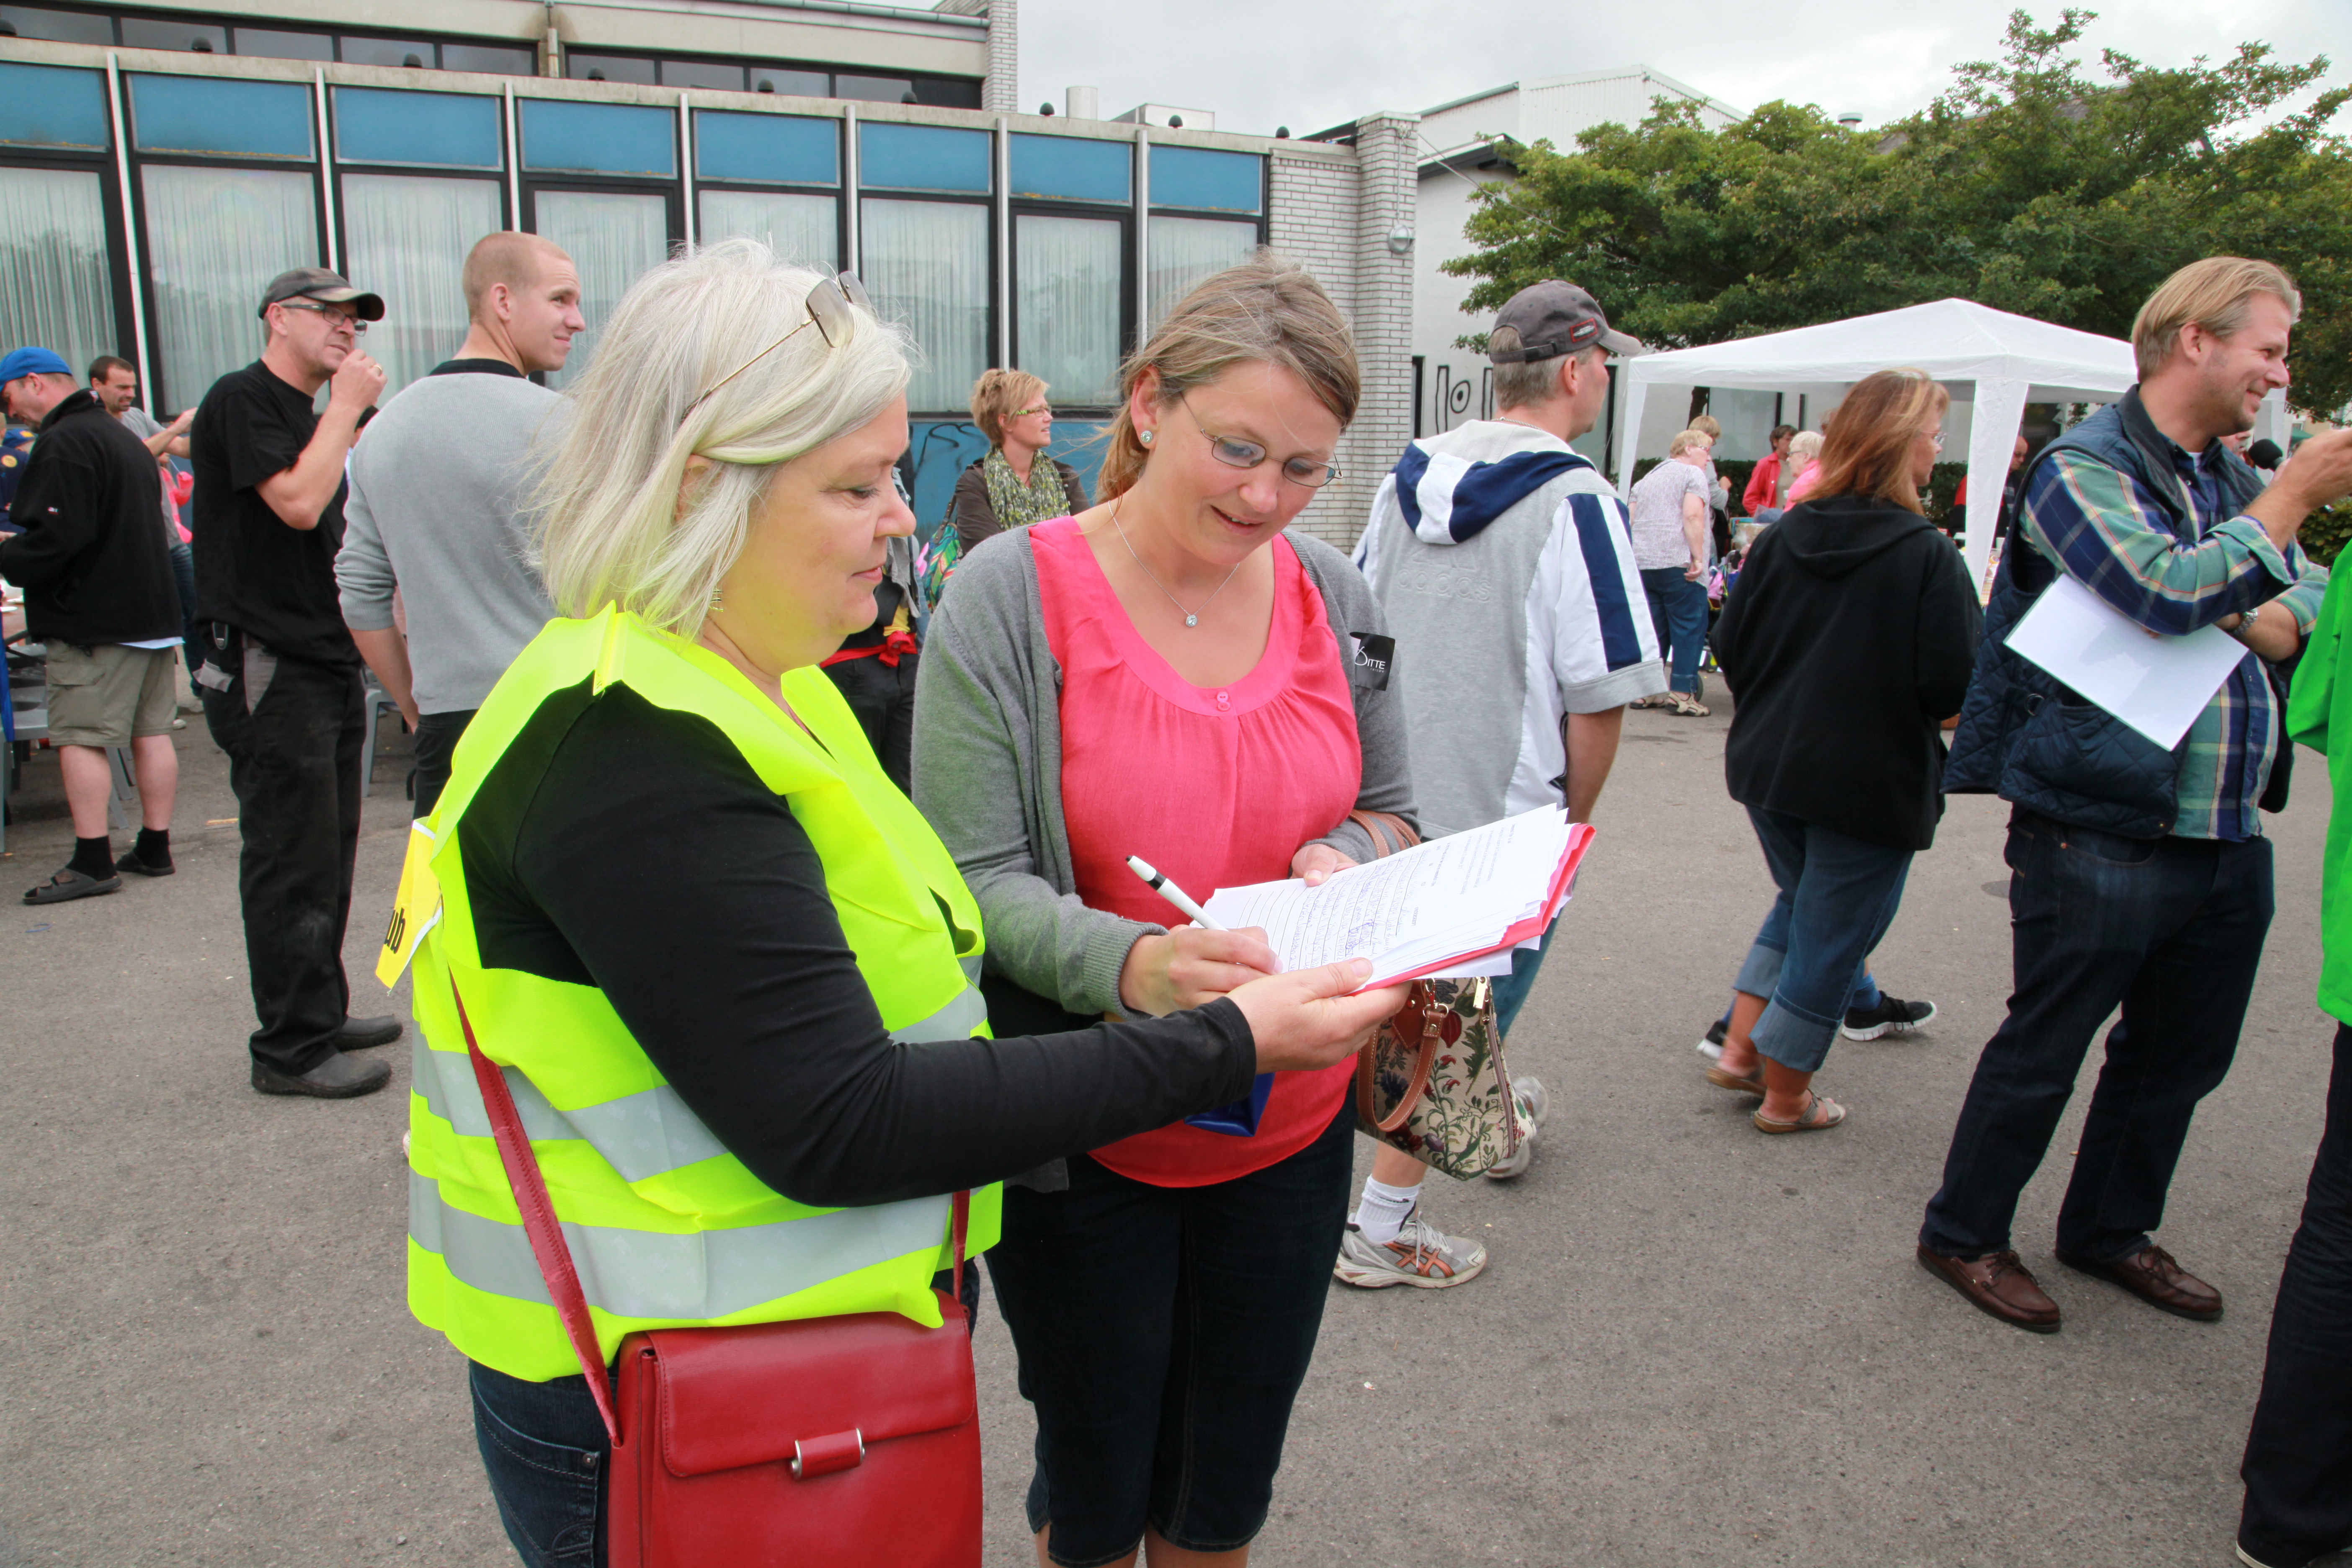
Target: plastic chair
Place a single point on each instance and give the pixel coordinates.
(377, 701)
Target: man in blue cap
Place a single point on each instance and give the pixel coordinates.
(98, 592)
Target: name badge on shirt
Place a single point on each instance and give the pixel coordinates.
(415, 908)
(1369, 661)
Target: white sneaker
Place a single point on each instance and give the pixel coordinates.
(1534, 1105)
(1711, 1046)
(1420, 1256)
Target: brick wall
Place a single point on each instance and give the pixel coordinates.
(1335, 220)
(1001, 92)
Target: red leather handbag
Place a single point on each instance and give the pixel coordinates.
(823, 1442)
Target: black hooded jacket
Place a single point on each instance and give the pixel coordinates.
(1847, 641)
(92, 560)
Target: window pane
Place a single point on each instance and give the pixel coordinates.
(54, 283)
(214, 236)
(1072, 168)
(489, 58)
(921, 157)
(786, 79)
(280, 45)
(408, 237)
(608, 68)
(50, 106)
(798, 228)
(221, 116)
(874, 88)
(1186, 249)
(1196, 177)
(410, 52)
(451, 130)
(611, 238)
(701, 73)
(64, 26)
(1066, 314)
(142, 32)
(775, 149)
(948, 92)
(598, 138)
(925, 264)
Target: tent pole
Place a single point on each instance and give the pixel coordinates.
(1992, 437)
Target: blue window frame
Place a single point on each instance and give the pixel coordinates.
(220, 117)
(1212, 182)
(892, 157)
(435, 130)
(1073, 169)
(563, 137)
(51, 106)
(773, 149)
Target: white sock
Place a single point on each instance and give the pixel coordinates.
(1384, 1210)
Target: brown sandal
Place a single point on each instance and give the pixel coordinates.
(1686, 706)
(1831, 1113)
(1732, 1080)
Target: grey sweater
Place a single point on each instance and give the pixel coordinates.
(988, 765)
(435, 510)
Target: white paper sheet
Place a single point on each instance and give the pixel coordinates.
(2153, 683)
(1459, 894)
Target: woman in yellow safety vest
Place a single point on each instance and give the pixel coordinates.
(726, 969)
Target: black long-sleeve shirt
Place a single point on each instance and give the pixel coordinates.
(93, 564)
(631, 848)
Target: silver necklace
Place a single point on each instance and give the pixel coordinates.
(1192, 617)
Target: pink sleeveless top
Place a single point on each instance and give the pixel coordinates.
(1215, 786)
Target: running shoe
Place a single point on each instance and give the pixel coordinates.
(1892, 1016)
(1422, 1256)
(1534, 1106)
(1711, 1047)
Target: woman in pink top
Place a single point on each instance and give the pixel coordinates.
(1168, 674)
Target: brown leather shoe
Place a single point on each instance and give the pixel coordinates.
(1998, 1286)
(2151, 1275)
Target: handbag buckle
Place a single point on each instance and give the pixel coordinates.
(814, 1457)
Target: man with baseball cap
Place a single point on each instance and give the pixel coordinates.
(281, 679)
(98, 592)
(1505, 564)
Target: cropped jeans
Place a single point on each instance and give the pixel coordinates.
(1678, 611)
(1811, 957)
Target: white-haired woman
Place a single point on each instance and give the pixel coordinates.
(721, 958)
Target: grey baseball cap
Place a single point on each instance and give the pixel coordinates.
(1557, 317)
(318, 283)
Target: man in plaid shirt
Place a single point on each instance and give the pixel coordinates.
(2142, 878)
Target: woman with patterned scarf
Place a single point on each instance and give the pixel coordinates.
(1015, 484)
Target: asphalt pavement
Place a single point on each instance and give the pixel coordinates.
(1695, 1343)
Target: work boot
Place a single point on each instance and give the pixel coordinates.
(359, 1034)
(337, 1078)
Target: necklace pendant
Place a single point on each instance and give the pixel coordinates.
(1191, 620)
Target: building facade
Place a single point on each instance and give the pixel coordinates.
(159, 165)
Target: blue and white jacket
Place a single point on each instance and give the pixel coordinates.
(1504, 566)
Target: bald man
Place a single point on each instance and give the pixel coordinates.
(439, 488)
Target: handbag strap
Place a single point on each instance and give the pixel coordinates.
(546, 1233)
(1389, 832)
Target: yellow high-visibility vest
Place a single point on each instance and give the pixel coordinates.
(668, 1229)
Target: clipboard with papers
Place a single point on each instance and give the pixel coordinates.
(1454, 906)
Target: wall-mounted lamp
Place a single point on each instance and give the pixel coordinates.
(1399, 240)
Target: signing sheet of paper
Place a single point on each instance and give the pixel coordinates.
(1453, 901)
(2153, 683)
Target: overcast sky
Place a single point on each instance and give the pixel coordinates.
(1310, 64)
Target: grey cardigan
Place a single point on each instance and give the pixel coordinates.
(988, 765)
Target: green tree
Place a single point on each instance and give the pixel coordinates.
(2026, 185)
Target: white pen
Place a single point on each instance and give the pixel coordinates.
(1171, 891)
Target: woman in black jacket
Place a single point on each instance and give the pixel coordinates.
(1847, 642)
(1016, 484)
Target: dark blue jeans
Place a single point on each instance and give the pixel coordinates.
(1164, 1333)
(1838, 895)
(1678, 611)
(2298, 1468)
(2170, 930)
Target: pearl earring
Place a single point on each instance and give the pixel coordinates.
(1145, 436)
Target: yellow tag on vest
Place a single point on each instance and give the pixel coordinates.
(415, 908)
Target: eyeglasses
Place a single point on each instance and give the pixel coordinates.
(334, 317)
(1040, 408)
(829, 307)
(1938, 439)
(1239, 454)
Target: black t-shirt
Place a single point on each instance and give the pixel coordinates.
(476, 367)
(272, 582)
(632, 847)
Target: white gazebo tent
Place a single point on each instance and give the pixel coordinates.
(1996, 362)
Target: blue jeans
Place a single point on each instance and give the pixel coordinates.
(1511, 990)
(1838, 896)
(2170, 930)
(1678, 611)
(2299, 1466)
(1164, 1333)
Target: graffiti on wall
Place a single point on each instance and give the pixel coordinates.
(937, 452)
(1459, 396)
